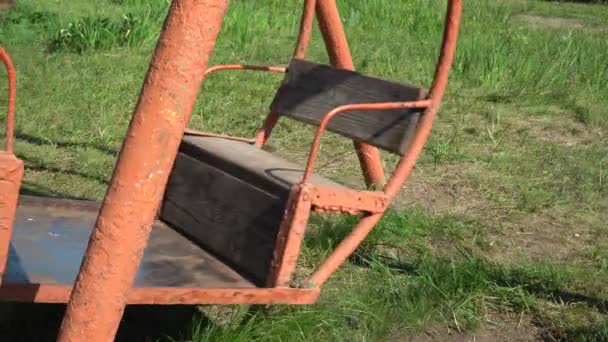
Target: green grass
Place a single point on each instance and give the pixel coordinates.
(517, 164)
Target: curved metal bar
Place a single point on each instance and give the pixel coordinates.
(308, 14)
(12, 93)
(314, 150)
(266, 128)
(440, 81)
(406, 164)
(267, 68)
(189, 131)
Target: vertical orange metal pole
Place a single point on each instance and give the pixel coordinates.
(11, 169)
(340, 56)
(308, 15)
(122, 229)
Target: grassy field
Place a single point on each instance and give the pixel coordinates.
(501, 233)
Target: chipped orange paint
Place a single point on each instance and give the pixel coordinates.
(291, 234)
(271, 119)
(104, 283)
(12, 94)
(11, 169)
(11, 175)
(336, 44)
(347, 201)
(47, 293)
(189, 131)
(122, 229)
(408, 160)
(314, 150)
(222, 67)
(308, 15)
(266, 129)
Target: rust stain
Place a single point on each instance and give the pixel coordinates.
(340, 56)
(411, 154)
(45, 293)
(122, 229)
(11, 169)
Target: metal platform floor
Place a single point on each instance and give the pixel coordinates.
(50, 237)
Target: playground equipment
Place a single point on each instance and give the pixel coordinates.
(203, 218)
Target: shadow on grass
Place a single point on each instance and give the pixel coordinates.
(41, 322)
(496, 274)
(65, 144)
(44, 168)
(31, 189)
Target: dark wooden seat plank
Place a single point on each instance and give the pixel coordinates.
(311, 90)
(230, 198)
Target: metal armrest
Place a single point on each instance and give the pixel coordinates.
(348, 108)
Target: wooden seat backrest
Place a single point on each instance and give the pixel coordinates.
(311, 90)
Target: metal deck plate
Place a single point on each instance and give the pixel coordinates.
(50, 237)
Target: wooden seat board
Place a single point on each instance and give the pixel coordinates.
(311, 90)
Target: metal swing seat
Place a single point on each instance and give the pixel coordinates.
(233, 216)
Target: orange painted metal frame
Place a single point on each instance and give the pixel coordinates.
(179, 65)
(11, 169)
(408, 160)
(291, 234)
(340, 56)
(404, 166)
(47, 293)
(128, 210)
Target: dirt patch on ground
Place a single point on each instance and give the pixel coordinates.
(441, 190)
(499, 327)
(509, 234)
(548, 235)
(541, 22)
(563, 132)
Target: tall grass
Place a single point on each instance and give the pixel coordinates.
(137, 27)
(521, 64)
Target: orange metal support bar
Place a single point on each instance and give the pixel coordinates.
(50, 293)
(270, 119)
(314, 150)
(122, 229)
(308, 15)
(340, 56)
(291, 234)
(217, 68)
(12, 93)
(11, 169)
(406, 164)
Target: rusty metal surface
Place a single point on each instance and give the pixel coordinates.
(12, 94)
(314, 150)
(291, 234)
(11, 174)
(347, 201)
(164, 107)
(11, 168)
(340, 56)
(308, 15)
(264, 132)
(51, 235)
(408, 160)
(168, 296)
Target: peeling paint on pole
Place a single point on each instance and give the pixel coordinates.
(122, 229)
